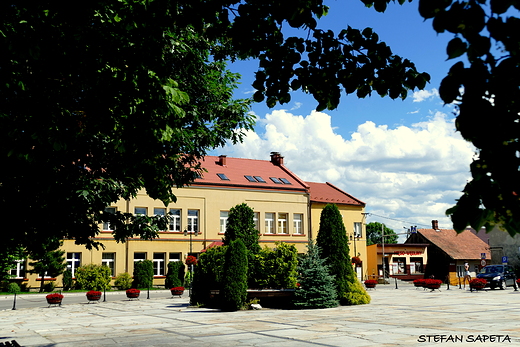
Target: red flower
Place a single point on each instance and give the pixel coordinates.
(370, 282)
(191, 260)
(93, 293)
(54, 296)
(133, 291)
(177, 288)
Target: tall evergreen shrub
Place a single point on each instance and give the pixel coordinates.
(275, 268)
(316, 286)
(143, 274)
(234, 291)
(333, 243)
(175, 274)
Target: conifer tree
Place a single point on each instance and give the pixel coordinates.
(332, 240)
(234, 292)
(241, 225)
(317, 287)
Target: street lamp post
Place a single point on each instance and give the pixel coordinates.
(191, 233)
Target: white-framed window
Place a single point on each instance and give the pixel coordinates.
(141, 211)
(19, 270)
(158, 264)
(223, 221)
(159, 211)
(256, 219)
(73, 262)
(193, 220)
(139, 256)
(108, 260)
(282, 223)
(106, 225)
(269, 223)
(174, 256)
(357, 230)
(297, 223)
(175, 219)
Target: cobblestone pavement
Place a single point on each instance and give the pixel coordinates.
(395, 317)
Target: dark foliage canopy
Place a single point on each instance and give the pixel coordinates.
(234, 278)
(100, 99)
(484, 82)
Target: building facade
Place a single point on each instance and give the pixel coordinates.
(286, 210)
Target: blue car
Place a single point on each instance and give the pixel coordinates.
(500, 276)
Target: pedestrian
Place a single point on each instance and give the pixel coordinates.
(467, 275)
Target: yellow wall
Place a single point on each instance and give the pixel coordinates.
(351, 214)
(210, 201)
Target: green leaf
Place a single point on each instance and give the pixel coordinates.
(456, 48)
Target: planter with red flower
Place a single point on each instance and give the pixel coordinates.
(477, 283)
(432, 284)
(93, 295)
(357, 261)
(177, 291)
(191, 260)
(370, 283)
(419, 283)
(132, 293)
(54, 299)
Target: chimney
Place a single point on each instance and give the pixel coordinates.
(276, 158)
(435, 224)
(222, 160)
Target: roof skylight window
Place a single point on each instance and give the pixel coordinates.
(275, 180)
(259, 179)
(250, 178)
(285, 181)
(223, 177)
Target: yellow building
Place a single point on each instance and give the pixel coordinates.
(286, 209)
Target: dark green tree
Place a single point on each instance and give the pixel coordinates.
(234, 279)
(275, 267)
(175, 274)
(333, 242)
(143, 274)
(484, 79)
(241, 225)
(374, 234)
(101, 99)
(48, 261)
(317, 287)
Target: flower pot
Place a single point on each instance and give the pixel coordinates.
(93, 297)
(54, 301)
(370, 285)
(132, 295)
(477, 287)
(177, 292)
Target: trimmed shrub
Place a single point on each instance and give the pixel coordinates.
(316, 286)
(234, 291)
(275, 268)
(48, 286)
(67, 280)
(143, 274)
(355, 294)
(93, 277)
(208, 276)
(175, 274)
(123, 281)
(13, 288)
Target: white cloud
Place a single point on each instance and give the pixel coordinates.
(296, 106)
(411, 174)
(423, 95)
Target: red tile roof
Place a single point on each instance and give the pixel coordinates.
(329, 193)
(235, 169)
(465, 245)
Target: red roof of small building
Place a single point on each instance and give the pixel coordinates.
(329, 193)
(263, 174)
(465, 245)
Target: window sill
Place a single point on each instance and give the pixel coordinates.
(159, 276)
(46, 279)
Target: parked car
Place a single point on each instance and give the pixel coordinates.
(500, 276)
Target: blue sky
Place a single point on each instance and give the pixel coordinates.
(403, 158)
